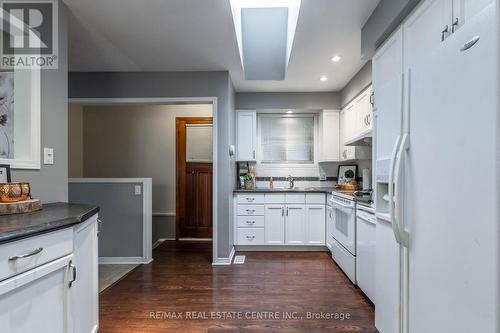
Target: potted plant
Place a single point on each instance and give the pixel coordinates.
(249, 181)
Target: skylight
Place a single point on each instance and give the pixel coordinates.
(265, 30)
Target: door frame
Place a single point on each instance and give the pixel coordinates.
(181, 173)
(175, 100)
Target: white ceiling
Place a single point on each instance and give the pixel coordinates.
(198, 35)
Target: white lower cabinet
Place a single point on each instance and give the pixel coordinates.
(84, 298)
(37, 300)
(274, 225)
(281, 219)
(315, 225)
(295, 225)
(58, 296)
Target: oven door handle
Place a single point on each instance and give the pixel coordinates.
(339, 204)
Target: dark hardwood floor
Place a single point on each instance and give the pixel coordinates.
(181, 279)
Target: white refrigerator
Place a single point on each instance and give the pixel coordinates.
(438, 174)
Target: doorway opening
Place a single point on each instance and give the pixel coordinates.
(135, 138)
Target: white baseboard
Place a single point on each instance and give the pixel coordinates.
(124, 260)
(282, 248)
(161, 240)
(224, 261)
(196, 239)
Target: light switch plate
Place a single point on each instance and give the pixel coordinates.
(137, 190)
(48, 156)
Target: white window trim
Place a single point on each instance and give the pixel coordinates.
(305, 169)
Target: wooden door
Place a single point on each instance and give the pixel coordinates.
(194, 187)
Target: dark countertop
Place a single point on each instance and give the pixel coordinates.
(52, 217)
(281, 190)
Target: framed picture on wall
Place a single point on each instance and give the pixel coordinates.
(347, 173)
(4, 173)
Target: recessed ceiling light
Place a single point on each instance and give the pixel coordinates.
(336, 58)
(323, 78)
(289, 111)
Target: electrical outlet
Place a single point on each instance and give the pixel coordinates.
(48, 156)
(322, 177)
(137, 190)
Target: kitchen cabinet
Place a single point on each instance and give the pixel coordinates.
(274, 225)
(51, 285)
(357, 118)
(329, 136)
(364, 115)
(280, 219)
(37, 300)
(365, 252)
(295, 230)
(464, 10)
(84, 299)
(349, 153)
(315, 224)
(246, 135)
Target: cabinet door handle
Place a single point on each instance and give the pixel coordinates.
(73, 269)
(286, 211)
(26, 255)
(250, 199)
(254, 154)
(282, 211)
(455, 24)
(250, 211)
(250, 237)
(250, 222)
(372, 99)
(444, 32)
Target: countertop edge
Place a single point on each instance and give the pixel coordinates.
(318, 190)
(54, 225)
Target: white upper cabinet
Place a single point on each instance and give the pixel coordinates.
(246, 135)
(329, 136)
(424, 31)
(463, 10)
(357, 119)
(364, 116)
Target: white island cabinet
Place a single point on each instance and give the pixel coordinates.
(280, 219)
(48, 283)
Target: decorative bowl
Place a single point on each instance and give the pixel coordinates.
(14, 192)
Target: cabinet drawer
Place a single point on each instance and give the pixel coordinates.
(315, 198)
(250, 198)
(295, 198)
(275, 198)
(250, 236)
(250, 221)
(251, 210)
(20, 256)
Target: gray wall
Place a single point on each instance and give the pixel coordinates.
(177, 84)
(358, 83)
(288, 100)
(384, 19)
(50, 183)
(121, 213)
(105, 148)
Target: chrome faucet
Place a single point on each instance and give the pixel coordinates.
(291, 180)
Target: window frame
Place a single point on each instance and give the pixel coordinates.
(266, 166)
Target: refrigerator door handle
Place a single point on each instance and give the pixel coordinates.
(403, 234)
(395, 229)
